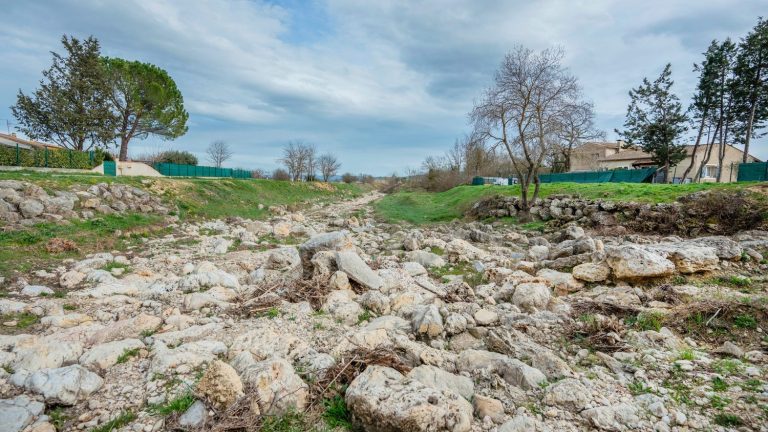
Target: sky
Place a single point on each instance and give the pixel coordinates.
(380, 84)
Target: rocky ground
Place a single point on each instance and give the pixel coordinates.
(328, 319)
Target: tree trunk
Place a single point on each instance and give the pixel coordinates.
(695, 147)
(750, 125)
(123, 149)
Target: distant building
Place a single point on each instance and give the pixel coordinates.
(12, 141)
(600, 156)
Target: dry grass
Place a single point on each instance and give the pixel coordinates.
(59, 245)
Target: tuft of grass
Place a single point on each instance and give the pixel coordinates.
(733, 280)
(719, 402)
(467, 272)
(728, 420)
(127, 354)
(289, 422)
(719, 384)
(116, 423)
(58, 418)
(69, 307)
(745, 321)
(649, 321)
(365, 316)
(686, 354)
(336, 413)
(177, 405)
(727, 367)
(114, 265)
(273, 312)
(9, 369)
(637, 387)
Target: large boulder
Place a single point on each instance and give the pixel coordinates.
(276, 386)
(332, 241)
(350, 263)
(66, 386)
(634, 262)
(689, 258)
(568, 393)
(427, 259)
(591, 272)
(220, 385)
(531, 296)
(382, 399)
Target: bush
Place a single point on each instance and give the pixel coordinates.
(177, 157)
(280, 174)
(50, 158)
(348, 178)
(730, 211)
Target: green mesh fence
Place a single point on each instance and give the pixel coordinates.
(617, 176)
(755, 171)
(176, 170)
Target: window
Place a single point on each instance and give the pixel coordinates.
(710, 171)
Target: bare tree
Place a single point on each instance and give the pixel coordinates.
(310, 155)
(329, 166)
(524, 110)
(280, 174)
(578, 126)
(298, 158)
(218, 153)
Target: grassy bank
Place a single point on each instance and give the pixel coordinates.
(29, 249)
(425, 207)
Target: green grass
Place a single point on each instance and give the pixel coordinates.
(648, 321)
(116, 423)
(638, 387)
(23, 320)
(288, 422)
(426, 207)
(468, 273)
(719, 384)
(728, 420)
(745, 321)
(177, 405)
(727, 367)
(24, 250)
(686, 354)
(336, 414)
(126, 355)
(58, 418)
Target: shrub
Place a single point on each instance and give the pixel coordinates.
(179, 157)
(280, 174)
(731, 211)
(348, 178)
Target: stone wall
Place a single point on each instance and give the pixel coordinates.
(24, 203)
(611, 216)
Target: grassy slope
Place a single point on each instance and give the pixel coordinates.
(196, 198)
(425, 207)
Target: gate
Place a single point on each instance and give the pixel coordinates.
(110, 168)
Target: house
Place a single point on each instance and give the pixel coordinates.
(600, 156)
(12, 141)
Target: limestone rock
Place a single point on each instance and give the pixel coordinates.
(633, 262)
(562, 283)
(105, 355)
(442, 380)
(220, 385)
(382, 399)
(17, 413)
(591, 272)
(350, 263)
(278, 389)
(531, 296)
(65, 386)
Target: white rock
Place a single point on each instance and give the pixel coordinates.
(531, 296)
(66, 385)
(633, 262)
(105, 355)
(382, 399)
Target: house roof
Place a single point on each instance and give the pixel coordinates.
(12, 140)
(641, 156)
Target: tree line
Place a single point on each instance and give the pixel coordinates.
(87, 101)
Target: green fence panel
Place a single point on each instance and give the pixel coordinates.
(626, 176)
(176, 170)
(754, 171)
(633, 176)
(110, 168)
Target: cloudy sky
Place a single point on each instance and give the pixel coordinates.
(380, 83)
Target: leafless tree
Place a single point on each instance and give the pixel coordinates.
(578, 126)
(280, 174)
(299, 159)
(310, 153)
(524, 110)
(218, 153)
(329, 166)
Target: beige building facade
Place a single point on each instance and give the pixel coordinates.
(602, 156)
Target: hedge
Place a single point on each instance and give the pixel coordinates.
(49, 158)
